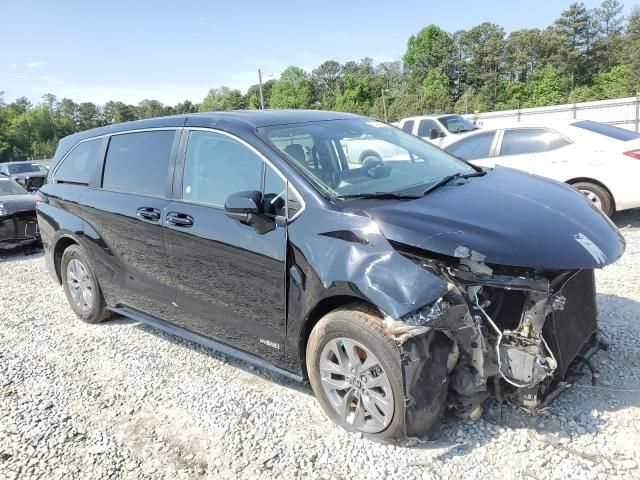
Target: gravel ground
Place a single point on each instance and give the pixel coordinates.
(122, 400)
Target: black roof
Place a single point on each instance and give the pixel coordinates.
(231, 121)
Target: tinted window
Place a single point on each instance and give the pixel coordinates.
(457, 124)
(478, 146)
(217, 166)
(425, 126)
(80, 164)
(139, 162)
(274, 196)
(408, 126)
(607, 130)
(530, 140)
(15, 168)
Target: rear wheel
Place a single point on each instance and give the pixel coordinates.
(354, 370)
(598, 195)
(81, 287)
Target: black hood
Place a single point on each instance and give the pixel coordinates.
(12, 204)
(506, 217)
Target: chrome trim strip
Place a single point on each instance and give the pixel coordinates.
(96, 137)
(205, 129)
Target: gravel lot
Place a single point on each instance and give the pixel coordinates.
(122, 400)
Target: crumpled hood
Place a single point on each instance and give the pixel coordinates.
(12, 204)
(506, 217)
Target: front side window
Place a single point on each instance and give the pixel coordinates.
(473, 148)
(429, 128)
(362, 156)
(138, 163)
(79, 165)
(217, 166)
(530, 140)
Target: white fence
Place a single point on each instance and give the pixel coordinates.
(622, 112)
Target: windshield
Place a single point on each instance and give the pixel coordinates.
(457, 124)
(10, 187)
(362, 156)
(25, 168)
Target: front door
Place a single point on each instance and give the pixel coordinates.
(230, 280)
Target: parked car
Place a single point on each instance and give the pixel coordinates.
(18, 225)
(366, 149)
(602, 161)
(28, 174)
(440, 130)
(397, 289)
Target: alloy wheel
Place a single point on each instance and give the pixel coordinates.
(592, 197)
(80, 286)
(356, 385)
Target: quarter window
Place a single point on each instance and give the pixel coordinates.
(217, 166)
(275, 191)
(530, 140)
(80, 164)
(472, 148)
(138, 163)
(408, 126)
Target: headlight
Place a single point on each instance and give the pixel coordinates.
(2, 210)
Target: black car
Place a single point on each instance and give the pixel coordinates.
(28, 174)
(18, 225)
(397, 288)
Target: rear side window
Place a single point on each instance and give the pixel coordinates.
(138, 163)
(80, 164)
(472, 148)
(408, 126)
(425, 127)
(607, 130)
(530, 140)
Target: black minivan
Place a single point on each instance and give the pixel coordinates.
(399, 286)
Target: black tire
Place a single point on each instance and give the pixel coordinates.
(362, 324)
(603, 196)
(97, 311)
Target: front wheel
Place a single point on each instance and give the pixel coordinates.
(598, 195)
(354, 370)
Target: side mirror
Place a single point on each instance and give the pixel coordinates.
(246, 208)
(433, 134)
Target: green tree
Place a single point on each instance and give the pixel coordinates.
(574, 30)
(431, 48)
(20, 105)
(550, 88)
(117, 112)
(292, 90)
(149, 109)
(610, 26)
(436, 92)
(633, 47)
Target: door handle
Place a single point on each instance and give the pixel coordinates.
(148, 213)
(180, 219)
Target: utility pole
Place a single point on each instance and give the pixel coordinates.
(261, 94)
(384, 106)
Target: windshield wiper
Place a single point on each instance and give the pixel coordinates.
(448, 178)
(380, 195)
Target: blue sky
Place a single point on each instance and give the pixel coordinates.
(172, 51)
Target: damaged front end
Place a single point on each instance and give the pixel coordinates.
(18, 223)
(512, 332)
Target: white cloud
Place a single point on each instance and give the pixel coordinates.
(34, 64)
(13, 65)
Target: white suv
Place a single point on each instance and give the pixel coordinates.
(441, 130)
